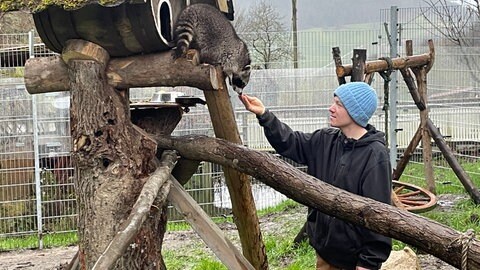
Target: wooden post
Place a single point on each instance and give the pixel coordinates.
(358, 66)
(112, 159)
(412, 88)
(243, 205)
(452, 161)
(337, 58)
(421, 78)
(402, 164)
(206, 229)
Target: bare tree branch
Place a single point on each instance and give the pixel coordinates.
(457, 24)
(264, 33)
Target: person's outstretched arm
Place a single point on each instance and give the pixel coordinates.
(288, 143)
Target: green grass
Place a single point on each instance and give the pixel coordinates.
(446, 181)
(281, 252)
(31, 241)
(279, 245)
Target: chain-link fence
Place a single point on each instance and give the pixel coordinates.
(37, 197)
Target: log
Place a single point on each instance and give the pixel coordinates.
(421, 78)
(412, 88)
(337, 58)
(239, 187)
(358, 65)
(129, 229)
(453, 162)
(110, 155)
(50, 74)
(381, 65)
(432, 56)
(429, 236)
(369, 78)
(206, 229)
(407, 77)
(402, 163)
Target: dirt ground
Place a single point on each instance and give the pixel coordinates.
(49, 259)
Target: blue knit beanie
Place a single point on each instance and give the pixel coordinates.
(359, 99)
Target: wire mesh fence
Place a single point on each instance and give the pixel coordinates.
(37, 195)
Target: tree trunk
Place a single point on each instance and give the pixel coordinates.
(429, 236)
(112, 159)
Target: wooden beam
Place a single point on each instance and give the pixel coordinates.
(239, 187)
(453, 162)
(206, 229)
(412, 88)
(381, 65)
(402, 164)
(337, 58)
(50, 74)
(421, 79)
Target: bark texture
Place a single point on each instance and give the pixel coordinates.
(430, 236)
(112, 159)
(49, 74)
(239, 187)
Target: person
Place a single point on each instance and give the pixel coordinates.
(351, 154)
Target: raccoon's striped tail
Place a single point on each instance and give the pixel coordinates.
(184, 36)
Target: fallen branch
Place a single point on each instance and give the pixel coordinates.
(141, 208)
(430, 236)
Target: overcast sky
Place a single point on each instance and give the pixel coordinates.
(329, 13)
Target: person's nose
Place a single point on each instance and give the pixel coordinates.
(332, 108)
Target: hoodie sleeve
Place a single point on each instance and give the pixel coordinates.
(376, 185)
(288, 143)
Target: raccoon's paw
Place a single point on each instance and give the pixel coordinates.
(178, 53)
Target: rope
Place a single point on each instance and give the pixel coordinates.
(466, 239)
(386, 81)
(386, 74)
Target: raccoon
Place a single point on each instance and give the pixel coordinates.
(204, 28)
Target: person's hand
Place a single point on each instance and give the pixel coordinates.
(252, 104)
(361, 268)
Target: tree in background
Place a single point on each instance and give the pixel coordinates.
(261, 28)
(460, 25)
(15, 22)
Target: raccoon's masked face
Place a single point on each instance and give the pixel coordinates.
(240, 79)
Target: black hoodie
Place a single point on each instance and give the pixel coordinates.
(358, 166)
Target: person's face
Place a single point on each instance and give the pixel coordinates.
(339, 116)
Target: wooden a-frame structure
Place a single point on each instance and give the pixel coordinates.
(419, 66)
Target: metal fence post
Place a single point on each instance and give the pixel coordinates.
(38, 190)
(393, 87)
